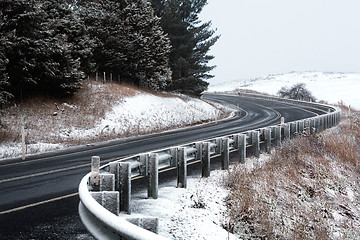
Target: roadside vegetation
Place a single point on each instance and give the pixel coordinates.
(308, 188)
(98, 112)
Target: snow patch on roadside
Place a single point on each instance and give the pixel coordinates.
(198, 212)
(145, 113)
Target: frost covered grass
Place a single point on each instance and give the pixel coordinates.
(309, 188)
(97, 113)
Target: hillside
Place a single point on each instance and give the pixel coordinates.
(329, 87)
(99, 112)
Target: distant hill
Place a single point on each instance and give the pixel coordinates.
(330, 87)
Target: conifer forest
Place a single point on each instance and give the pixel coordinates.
(49, 47)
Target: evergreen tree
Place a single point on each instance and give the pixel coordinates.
(42, 48)
(190, 39)
(4, 79)
(130, 41)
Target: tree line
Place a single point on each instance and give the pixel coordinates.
(48, 47)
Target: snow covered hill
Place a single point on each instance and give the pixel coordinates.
(330, 87)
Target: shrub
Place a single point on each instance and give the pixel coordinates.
(297, 92)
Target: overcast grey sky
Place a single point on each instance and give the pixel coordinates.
(260, 37)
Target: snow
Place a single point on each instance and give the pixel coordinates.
(134, 115)
(14, 149)
(144, 113)
(198, 212)
(330, 87)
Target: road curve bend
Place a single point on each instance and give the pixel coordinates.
(50, 179)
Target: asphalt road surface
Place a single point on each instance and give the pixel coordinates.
(38, 196)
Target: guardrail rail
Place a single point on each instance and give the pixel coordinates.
(105, 192)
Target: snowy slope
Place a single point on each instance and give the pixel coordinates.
(145, 113)
(140, 114)
(330, 87)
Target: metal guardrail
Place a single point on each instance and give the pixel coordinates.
(105, 193)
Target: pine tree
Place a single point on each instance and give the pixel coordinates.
(130, 41)
(4, 79)
(191, 40)
(42, 57)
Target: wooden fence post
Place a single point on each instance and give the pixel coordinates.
(95, 173)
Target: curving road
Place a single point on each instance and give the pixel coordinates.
(42, 188)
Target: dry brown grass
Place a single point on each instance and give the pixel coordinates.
(307, 189)
(74, 116)
(80, 111)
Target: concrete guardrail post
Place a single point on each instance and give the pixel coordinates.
(317, 124)
(218, 149)
(153, 176)
(95, 173)
(301, 126)
(312, 125)
(107, 182)
(225, 158)
(109, 200)
(268, 139)
(287, 130)
(322, 123)
(199, 151)
(307, 126)
(144, 164)
(182, 168)
(335, 118)
(205, 161)
(255, 143)
(174, 156)
(236, 141)
(292, 129)
(148, 223)
(278, 135)
(242, 148)
(125, 187)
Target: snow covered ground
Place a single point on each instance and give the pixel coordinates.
(145, 113)
(142, 113)
(198, 212)
(330, 87)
